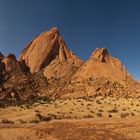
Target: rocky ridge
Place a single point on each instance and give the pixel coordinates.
(46, 67)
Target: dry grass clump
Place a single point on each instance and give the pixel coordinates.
(98, 101)
(114, 110)
(124, 114)
(132, 114)
(99, 114)
(100, 110)
(22, 121)
(34, 121)
(42, 118)
(6, 121)
(88, 116)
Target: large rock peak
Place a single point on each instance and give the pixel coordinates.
(45, 48)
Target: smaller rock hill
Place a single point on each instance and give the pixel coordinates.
(103, 75)
(102, 64)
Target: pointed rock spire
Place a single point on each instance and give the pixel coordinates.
(47, 48)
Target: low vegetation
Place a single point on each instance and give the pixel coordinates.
(47, 109)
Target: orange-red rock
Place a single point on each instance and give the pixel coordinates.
(48, 51)
(11, 64)
(102, 64)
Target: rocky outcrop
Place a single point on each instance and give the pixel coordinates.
(18, 88)
(11, 64)
(48, 51)
(103, 75)
(102, 64)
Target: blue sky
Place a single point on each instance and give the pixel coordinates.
(84, 25)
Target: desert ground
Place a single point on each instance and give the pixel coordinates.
(85, 118)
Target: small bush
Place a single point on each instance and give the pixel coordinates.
(88, 116)
(45, 118)
(37, 111)
(99, 114)
(132, 114)
(98, 102)
(6, 121)
(114, 110)
(123, 115)
(91, 111)
(100, 110)
(34, 121)
(89, 104)
(22, 122)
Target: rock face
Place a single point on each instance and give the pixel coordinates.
(11, 64)
(46, 67)
(16, 82)
(49, 51)
(102, 64)
(103, 75)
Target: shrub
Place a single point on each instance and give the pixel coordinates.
(98, 102)
(132, 114)
(114, 110)
(6, 121)
(89, 104)
(123, 115)
(100, 110)
(34, 121)
(91, 111)
(22, 122)
(99, 114)
(88, 116)
(45, 118)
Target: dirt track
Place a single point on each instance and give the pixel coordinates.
(84, 129)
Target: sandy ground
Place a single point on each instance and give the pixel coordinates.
(100, 118)
(83, 129)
